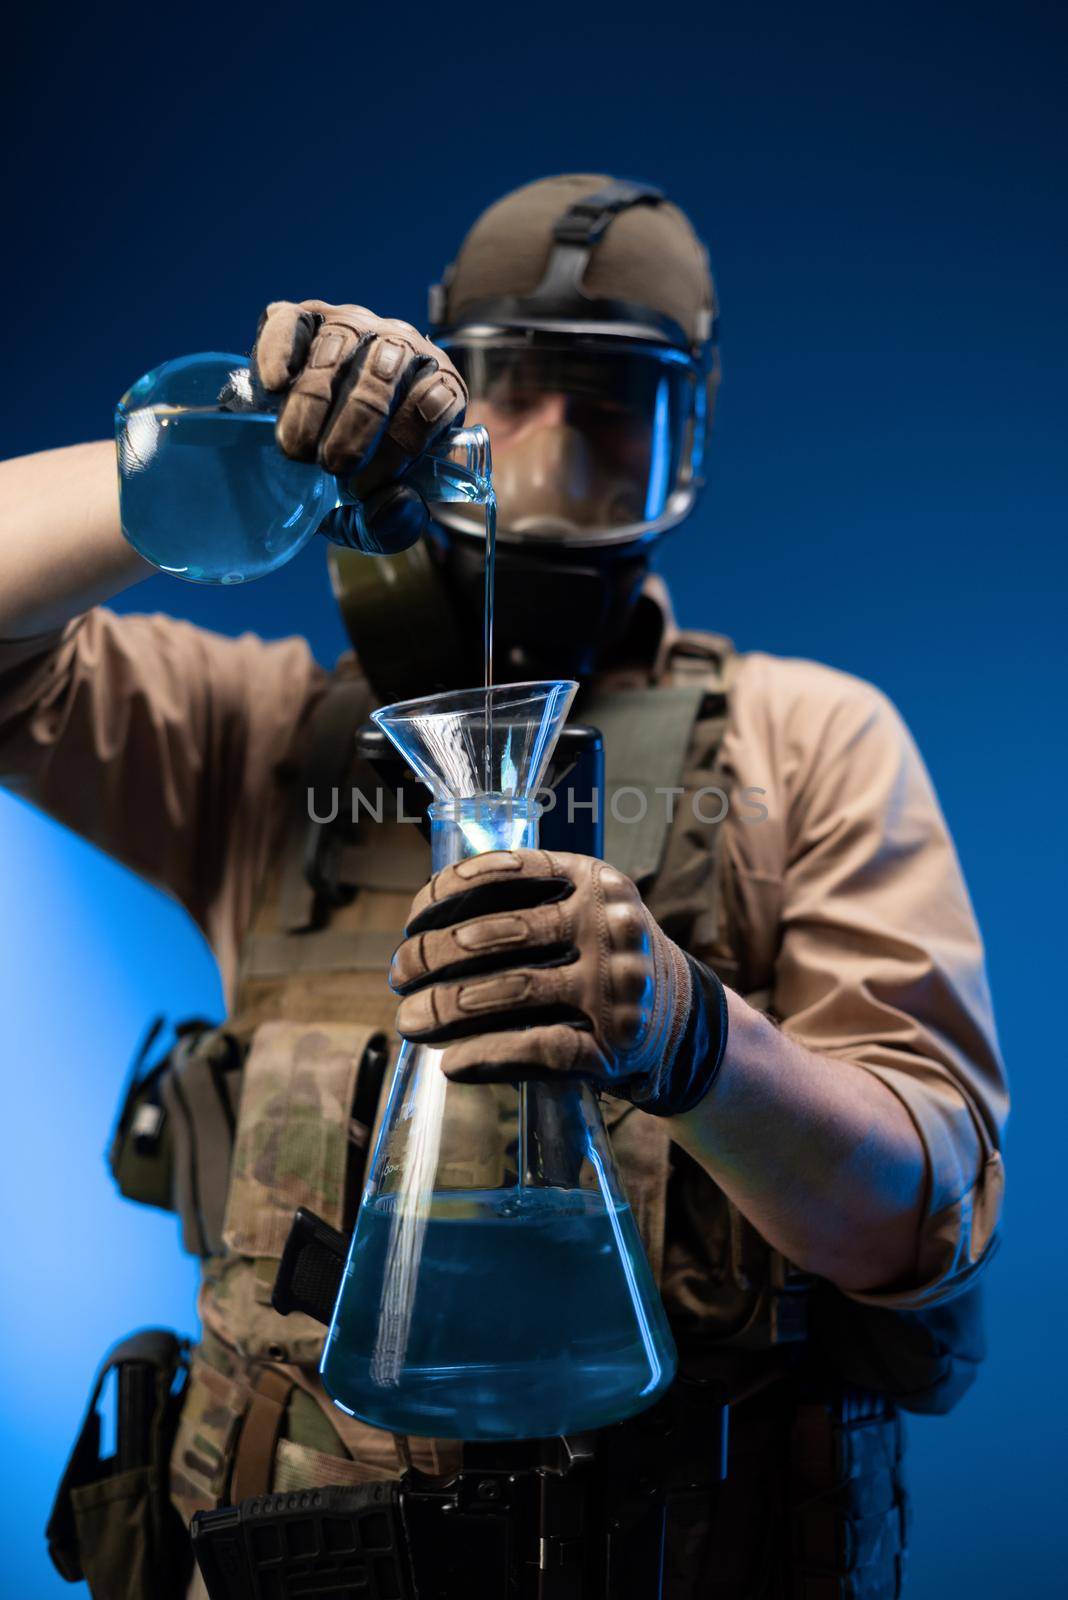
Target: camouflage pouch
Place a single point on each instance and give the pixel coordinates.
(204, 1443)
(298, 1143)
(294, 1131)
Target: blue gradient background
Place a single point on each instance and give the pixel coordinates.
(882, 191)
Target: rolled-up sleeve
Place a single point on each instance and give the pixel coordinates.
(881, 964)
(158, 742)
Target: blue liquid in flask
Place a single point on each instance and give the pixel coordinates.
(534, 1314)
(208, 496)
(205, 494)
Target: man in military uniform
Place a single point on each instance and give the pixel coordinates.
(785, 1004)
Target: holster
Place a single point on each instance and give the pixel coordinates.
(112, 1522)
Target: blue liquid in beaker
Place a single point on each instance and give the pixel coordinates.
(527, 1322)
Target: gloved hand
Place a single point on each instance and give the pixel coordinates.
(364, 395)
(534, 964)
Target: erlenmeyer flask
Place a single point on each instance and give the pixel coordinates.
(496, 1286)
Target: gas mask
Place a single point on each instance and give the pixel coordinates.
(597, 440)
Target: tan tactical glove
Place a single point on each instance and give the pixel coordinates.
(533, 964)
(364, 395)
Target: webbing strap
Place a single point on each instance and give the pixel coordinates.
(299, 1466)
(310, 875)
(585, 220)
(647, 733)
(341, 711)
(277, 955)
(197, 1098)
(254, 1460)
(297, 907)
(378, 866)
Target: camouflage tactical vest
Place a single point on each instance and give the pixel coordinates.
(312, 995)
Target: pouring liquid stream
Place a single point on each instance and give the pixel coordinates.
(489, 563)
(490, 560)
(487, 604)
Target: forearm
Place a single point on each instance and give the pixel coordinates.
(61, 544)
(820, 1156)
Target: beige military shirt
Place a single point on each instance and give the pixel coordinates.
(165, 745)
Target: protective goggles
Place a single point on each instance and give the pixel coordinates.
(596, 440)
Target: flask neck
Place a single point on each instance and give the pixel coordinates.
(462, 828)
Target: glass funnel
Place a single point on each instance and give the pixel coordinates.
(496, 1285)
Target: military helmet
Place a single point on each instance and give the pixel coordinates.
(581, 312)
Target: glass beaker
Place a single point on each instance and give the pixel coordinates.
(206, 494)
(496, 1286)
